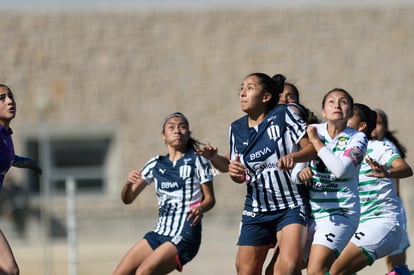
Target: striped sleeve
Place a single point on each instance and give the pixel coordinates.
(147, 174)
(203, 169)
(295, 125)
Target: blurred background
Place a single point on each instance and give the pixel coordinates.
(93, 81)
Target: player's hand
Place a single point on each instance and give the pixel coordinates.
(23, 162)
(195, 214)
(378, 170)
(134, 177)
(312, 133)
(237, 170)
(305, 176)
(207, 151)
(286, 162)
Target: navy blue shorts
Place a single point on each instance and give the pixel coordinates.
(260, 228)
(187, 247)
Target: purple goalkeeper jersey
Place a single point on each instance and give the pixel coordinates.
(6, 152)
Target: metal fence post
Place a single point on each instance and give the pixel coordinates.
(71, 226)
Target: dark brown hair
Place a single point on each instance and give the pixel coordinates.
(274, 86)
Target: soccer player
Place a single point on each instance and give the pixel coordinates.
(184, 187)
(333, 180)
(396, 261)
(274, 208)
(381, 225)
(290, 96)
(8, 158)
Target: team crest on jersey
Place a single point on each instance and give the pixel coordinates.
(273, 132)
(185, 171)
(342, 142)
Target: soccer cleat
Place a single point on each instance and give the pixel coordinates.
(401, 269)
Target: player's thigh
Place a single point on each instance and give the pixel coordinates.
(162, 260)
(320, 260)
(291, 240)
(250, 259)
(351, 260)
(134, 257)
(7, 260)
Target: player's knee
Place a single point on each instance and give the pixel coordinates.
(290, 268)
(313, 271)
(244, 269)
(237, 264)
(143, 271)
(289, 265)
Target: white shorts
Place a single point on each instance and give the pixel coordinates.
(378, 237)
(405, 242)
(335, 231)
(309, 240)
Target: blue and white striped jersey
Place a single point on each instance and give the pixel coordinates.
(260, 148)
(177, 186)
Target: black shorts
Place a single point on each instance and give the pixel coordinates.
(260, 228)
(187, 247)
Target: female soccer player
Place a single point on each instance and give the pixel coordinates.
(380, 225)
(290, 96)
(184, 188)
(396, 261)
(8, 158)
(333, 180)
(8, 263)
(274, 208)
